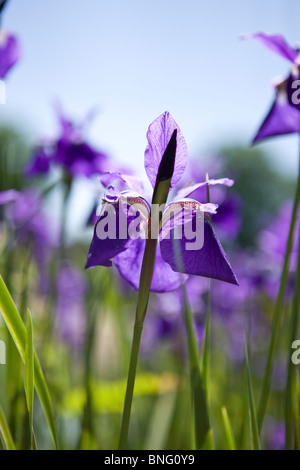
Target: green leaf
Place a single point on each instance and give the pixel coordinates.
(206, 347)
(203, 431)
(5, 432)
(17, 330)
(29, 371)
(228, 429)
(253, 416)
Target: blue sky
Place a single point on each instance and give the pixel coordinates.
(135, 59)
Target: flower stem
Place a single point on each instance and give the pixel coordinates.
(277, 312)
(291, 398)
(160, 195)
(137, 333)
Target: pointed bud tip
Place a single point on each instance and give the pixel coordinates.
(166, 167)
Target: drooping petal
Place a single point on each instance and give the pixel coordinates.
(281, 119)
(207, 258)
(276, 43)
(112, 232)
(9, 52)
(101, 251)
(158, 135)
(129, 264)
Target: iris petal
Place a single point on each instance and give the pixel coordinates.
(9, 52)
(281, 119)
(129, 264)
(118, 216)
(276, 43)
(209, 261)
(159, 134)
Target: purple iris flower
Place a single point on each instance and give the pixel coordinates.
(9, 52)
(30, 226)
(174, 260)
(70, 151)
(283, 117)
(40, 161)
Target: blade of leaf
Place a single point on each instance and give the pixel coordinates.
(205, 352)
(29, 371)
(228, 429)
(253, 416)
(5, 432)
(17, 330)
(160, 421)
(203, 431)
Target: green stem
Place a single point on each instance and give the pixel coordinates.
(252, 408)
(191, 334)
(137, 334)
(277, 313)
(160, 195)
(142, 303)
(292, 370)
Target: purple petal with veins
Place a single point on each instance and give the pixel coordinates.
(208, 261)
(159, 134)
(116, 182)
(102, 250)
